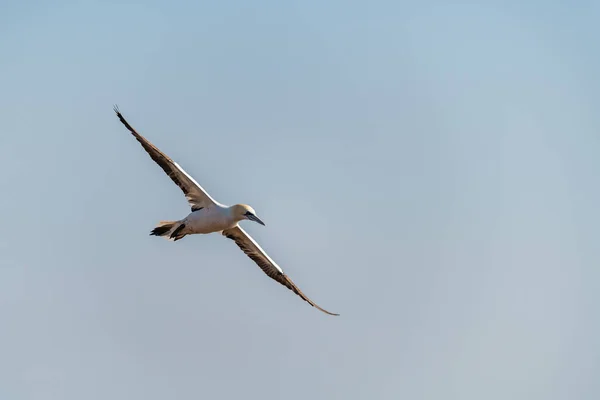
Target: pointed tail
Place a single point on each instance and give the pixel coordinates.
(170, 230)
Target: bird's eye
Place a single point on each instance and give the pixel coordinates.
(248, 213)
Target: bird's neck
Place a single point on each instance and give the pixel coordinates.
(231, 212)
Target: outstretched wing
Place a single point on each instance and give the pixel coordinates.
(194, 193)
(260, 257)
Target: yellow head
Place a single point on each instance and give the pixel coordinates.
(244, 211)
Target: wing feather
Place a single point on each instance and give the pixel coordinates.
(194, 193)
(261, 258)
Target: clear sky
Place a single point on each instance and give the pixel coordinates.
(430, 171)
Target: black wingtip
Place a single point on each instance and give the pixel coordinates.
(123, 121)
(327, 312)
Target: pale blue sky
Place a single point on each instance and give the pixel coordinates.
(430, 171)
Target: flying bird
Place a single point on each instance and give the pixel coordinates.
(208, 215)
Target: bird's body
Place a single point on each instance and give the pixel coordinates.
(209, 216)
(213, 218)
(210, 219)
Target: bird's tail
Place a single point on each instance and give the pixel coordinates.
(170, 230)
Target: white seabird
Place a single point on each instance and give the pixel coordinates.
(208, 216)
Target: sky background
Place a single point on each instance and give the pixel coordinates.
(428, 170)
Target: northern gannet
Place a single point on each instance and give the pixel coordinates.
(208, 216)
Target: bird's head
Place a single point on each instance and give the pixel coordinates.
(243, 211)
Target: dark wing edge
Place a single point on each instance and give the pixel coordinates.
(262, 260)
(170, 167)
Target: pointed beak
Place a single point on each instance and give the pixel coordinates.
(254, 218)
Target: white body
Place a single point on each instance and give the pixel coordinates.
(210, 219)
